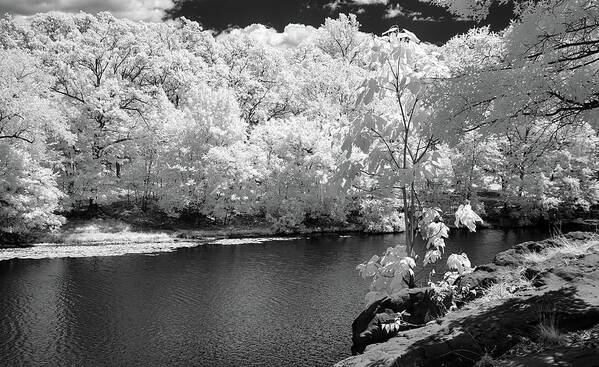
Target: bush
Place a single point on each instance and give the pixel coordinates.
(381, 216)
(286, 215)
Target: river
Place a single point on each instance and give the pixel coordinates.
(278, 303)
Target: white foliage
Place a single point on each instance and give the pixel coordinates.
(459, 263)
(390, 273)
(467, 217)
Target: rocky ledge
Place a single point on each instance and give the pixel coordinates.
(537, 304)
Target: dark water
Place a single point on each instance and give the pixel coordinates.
(285, 303)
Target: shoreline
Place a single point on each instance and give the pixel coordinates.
(111, 231)
(95, 238)
(543, 295)
(112, 237)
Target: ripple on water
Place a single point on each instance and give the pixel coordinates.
(10, 338)
(288, 304)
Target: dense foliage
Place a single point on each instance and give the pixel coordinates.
(343, 125)
(509, 109)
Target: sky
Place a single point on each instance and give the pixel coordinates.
(428, 22)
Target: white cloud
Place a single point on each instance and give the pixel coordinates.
(150, 10)
(397, 10)
(394, 11)
(292, 35)
(370, 2)
(334, 5)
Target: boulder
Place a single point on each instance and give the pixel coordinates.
(497, 326)
(515, 255)
(567, 289)
(581, 236)
(482, 277)
(509, 257)
(579, 357)
(490, 268)
(414, 306)
(532, 272)
(536, 246)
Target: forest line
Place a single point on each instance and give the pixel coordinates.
(96, 110)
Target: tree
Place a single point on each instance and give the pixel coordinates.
(392, 129)
(301, 156)
(528, 89)
(341, 38)
(118, 80)
(397, 141)
(207, 119)
(256, 72)
(30, 122)
(542, 67)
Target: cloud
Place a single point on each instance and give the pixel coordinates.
(150, 10)
(394, 11)
(334, 5)
(397, 11)
(292, 35)
(370, 2)
(338, 4)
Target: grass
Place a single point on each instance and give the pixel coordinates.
(549, 335)
(547, 330)
(111, 231)
(105, 232)
(566, 249)
(104, 238)
(486, 360)
(504, 289)
(516, 281)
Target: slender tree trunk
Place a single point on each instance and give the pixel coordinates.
(406, 217)
(521, 188)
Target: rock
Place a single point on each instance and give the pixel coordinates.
(536, 246)
(568, 287)
(567, 273)
(581, 236)
(425, 306)
(490, 268)
(574, 357)
(415, 306)
(589, 261)
(420, 304)
(515, 256)
(509, 257)
(482, 277)
(594, 249)
(364, 326)
(496, 326)
(532, 272)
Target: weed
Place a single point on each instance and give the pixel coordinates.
(486, 360)
(504, 289)
(566, 249)
(547, 330)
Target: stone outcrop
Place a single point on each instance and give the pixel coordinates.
(566, 287)
(482, 277)
(414, 306)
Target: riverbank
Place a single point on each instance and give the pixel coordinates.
(536, 304)
(109, 231)
(119, 222)
(110, 237)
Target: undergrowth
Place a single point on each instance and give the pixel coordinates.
(566, 248)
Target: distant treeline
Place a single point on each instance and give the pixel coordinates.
(96, 110)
